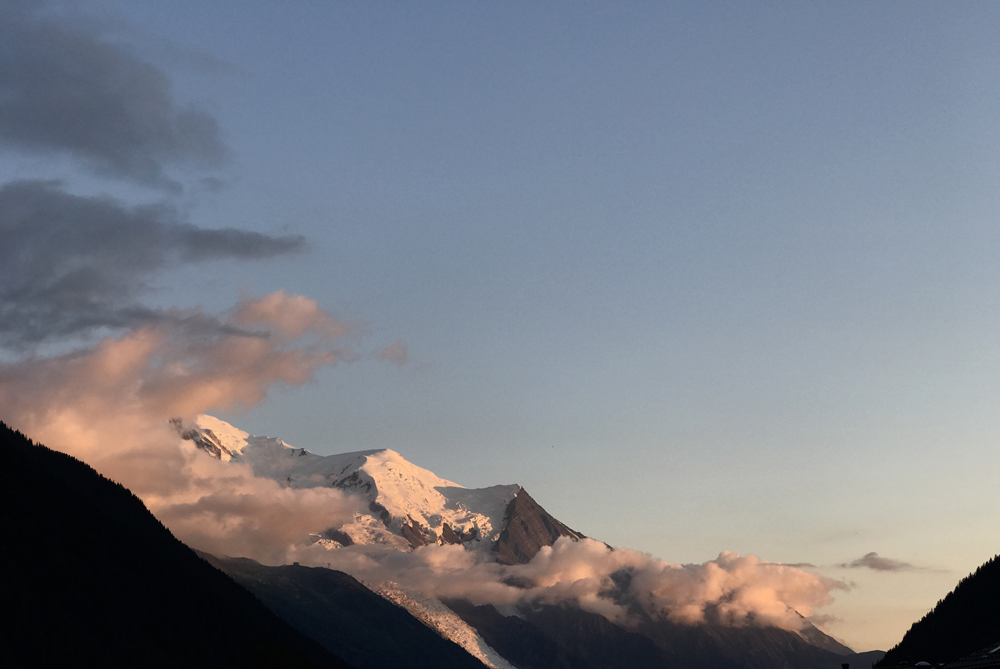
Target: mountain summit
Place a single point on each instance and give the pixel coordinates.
(408, 506)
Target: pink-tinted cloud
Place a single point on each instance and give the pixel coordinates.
(289, 317)
(110, 405)
(395, 353)
(732, 589)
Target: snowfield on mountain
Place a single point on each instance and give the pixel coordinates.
(410, 506)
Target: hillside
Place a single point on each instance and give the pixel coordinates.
(91, 578)
(346, 617)
(965, 621)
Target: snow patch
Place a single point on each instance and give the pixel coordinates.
(445, 622)
(233, 438)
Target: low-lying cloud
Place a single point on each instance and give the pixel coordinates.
(731, 590)
(111, 405)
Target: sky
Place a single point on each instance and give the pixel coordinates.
(699, 276)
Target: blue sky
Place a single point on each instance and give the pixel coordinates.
(700, 276)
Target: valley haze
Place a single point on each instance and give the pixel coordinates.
(716, 284)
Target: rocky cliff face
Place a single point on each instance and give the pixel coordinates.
(526, 528)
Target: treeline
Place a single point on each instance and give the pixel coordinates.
(965, 621)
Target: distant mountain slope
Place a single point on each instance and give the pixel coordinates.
(88, 577)
(965, 621)
(566, 637)
(346, 617)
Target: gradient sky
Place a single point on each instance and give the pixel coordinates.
(699, 276)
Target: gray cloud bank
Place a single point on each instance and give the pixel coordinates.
(73, 265)
(877, 563)
(65, 91)
(70, 264)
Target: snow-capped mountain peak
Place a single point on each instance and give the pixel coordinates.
(409, 506)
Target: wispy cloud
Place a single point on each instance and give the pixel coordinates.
(70, 264)
(63, 90)
(824, 619)
(798, 565)
(877, 563)
(396, 353)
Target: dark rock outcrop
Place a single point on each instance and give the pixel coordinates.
(355, 484)
(448, 535)
(343, 538)
(415, 533)
(526, 528)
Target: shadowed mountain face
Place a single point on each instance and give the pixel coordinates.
(964, 622)
(346, 617)
(88, 577)
(526, 528)
(566, 637)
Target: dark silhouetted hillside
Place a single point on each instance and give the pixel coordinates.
(965, 621)
(346, 617)
(91, 578)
